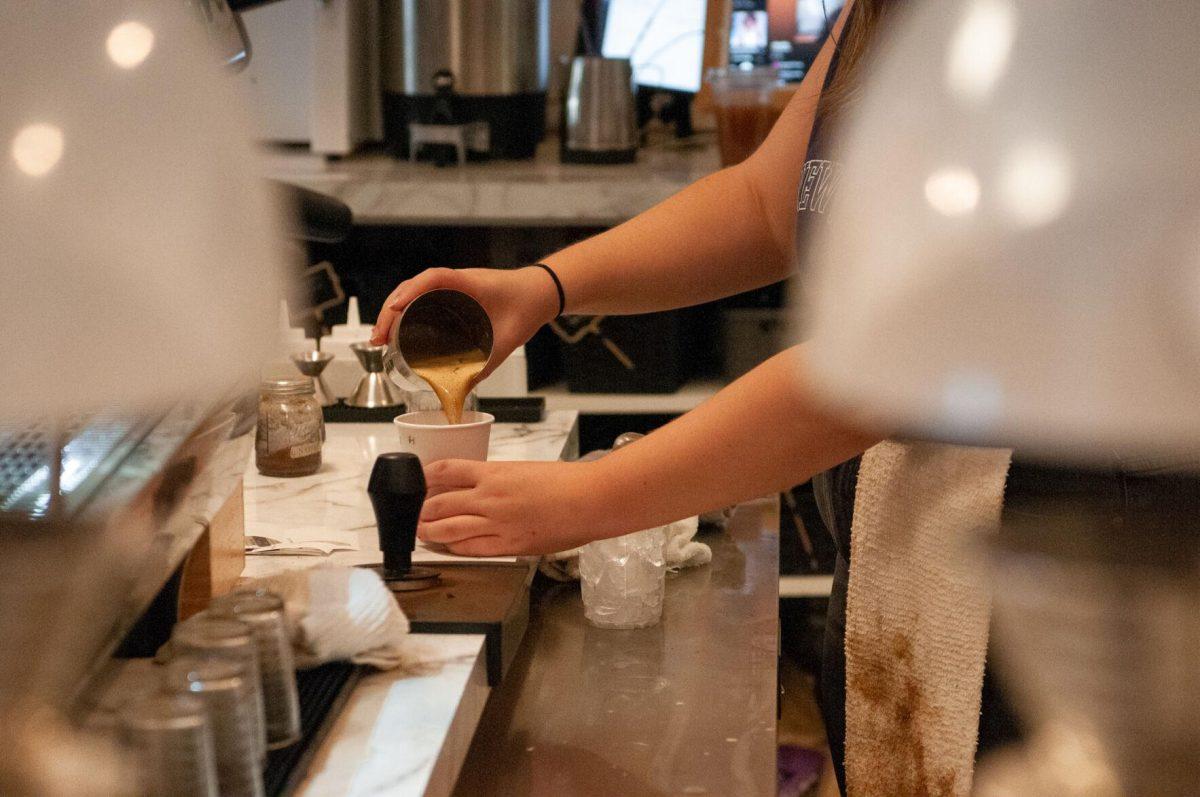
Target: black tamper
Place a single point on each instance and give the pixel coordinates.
(397, 490)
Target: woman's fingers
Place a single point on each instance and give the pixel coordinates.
(453, 530)
(383, 324)
(450, 474)
(405, 292)
(449, 504)
(480, 546)
(427, 280)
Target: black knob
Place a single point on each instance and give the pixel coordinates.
(397, 490)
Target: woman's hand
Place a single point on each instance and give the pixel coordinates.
(518, 302)
(511, 508)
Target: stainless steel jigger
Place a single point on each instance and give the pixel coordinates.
(312, 364)
(437, 323)
(373, 389)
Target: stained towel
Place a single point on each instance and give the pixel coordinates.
(917, 616)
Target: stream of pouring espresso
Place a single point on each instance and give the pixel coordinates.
(452, 378)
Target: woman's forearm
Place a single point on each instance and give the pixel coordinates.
(709, 241)
(728, 233)
(763, 433)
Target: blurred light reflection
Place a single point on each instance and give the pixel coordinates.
(37, 148)
(129, 44)
(979, 50)
(952, 191)
(1035, 185)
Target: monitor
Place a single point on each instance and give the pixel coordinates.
(786, 34)
(664, 39)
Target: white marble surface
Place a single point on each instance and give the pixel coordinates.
(541, 192)
(406, 731)
(333, 503)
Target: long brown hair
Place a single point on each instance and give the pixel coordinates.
(855, 44)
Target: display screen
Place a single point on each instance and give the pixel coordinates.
(786, 34)
(664, 39)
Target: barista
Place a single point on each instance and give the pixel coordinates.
(730, 232)
(687, 250)
(690, 249)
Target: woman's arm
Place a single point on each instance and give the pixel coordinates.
(727, 233)
(763, 433)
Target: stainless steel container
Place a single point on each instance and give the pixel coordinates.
(600, 114)
(492, 47)
(497, 51)
(437, 323)
(373, 389)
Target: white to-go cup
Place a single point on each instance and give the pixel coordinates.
(431, 437)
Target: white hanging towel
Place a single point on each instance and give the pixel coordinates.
(917, 614)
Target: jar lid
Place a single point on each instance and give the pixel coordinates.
(292, 386)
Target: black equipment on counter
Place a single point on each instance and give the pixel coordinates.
(316, 220)
(397, 491)
(517, 409)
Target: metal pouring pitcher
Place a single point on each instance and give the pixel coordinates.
(437, 323)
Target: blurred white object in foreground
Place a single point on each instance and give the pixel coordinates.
(1013, 253)
(137, 244)
(138, 267)
(1013, 259)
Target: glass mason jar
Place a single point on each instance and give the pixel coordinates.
(290, 428)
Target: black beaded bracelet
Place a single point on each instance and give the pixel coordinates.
(562, 295)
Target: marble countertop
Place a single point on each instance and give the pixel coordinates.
(332, 504)
(402, 732)
(405, 731)
(539, 192)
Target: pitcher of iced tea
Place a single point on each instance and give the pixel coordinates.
(745, 114)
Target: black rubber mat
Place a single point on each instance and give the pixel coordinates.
(323, 692)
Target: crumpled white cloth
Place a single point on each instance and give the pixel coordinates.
(679, 552)
(337, 613)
